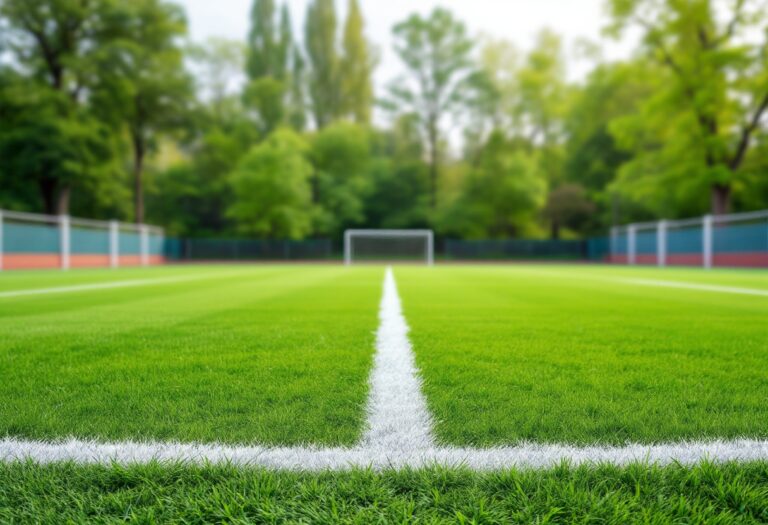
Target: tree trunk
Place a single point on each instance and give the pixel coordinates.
(138, 171)
(555, 231)
(434, 158)
(721, 199)
(48, 194)
(62, 205)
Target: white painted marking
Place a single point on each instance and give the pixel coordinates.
(398, 418)
(398, 433)
(319, 459)
(99, 286)
(693, 286)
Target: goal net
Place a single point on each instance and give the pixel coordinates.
(389, 246)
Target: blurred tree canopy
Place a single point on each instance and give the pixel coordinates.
(108, 111)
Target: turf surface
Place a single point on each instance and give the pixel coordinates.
(579, 355)
(178, 494)
(274, 355)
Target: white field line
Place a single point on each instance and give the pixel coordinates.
(660, 283)
(398, 433)
(398, 418)
(320, 459)
(692, 286)
(102, 286)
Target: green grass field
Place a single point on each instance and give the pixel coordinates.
(281, 355)
(268, 354)
(559, 355)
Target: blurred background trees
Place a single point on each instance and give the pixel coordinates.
(106, 110)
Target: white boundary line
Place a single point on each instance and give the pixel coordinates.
(113, 284)
(320, 459)
(692, 286)
(398, 433)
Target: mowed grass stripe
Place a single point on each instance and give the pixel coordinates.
(278, 360)
(510, 355)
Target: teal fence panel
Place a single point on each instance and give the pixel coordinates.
(685, 240)
(740, 238)
(598, 248)
(129, 243)
(645, 242)
(514, 249)
(156, 245)
(30, 238)
(89, 241)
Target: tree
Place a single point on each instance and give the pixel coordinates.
(341, 156)
(593, 156)
(216, 64)
(500, 197)
(715, 99)
(325, 89)
(272, 191)
(56, 41)
(356, 67)
(436, 53)
(398, 196)
(148, 88)
(270, 44)
(297, 97)
(567, 207)
(44, 155)
(543, 93)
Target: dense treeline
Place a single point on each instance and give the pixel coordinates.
(107, 111)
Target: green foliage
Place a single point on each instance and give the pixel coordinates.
(341, 157)
(94, 94)
(593, 155)
(214, 64)
(567, 207)
(705, 117)
(399, 180)
(435, 51)
(45, 156)
(500, 196)
(56, 43)
(270, 51)
(271, 186)
(356, 67)
(325, 90)
(146, 83)
(269, 43)
(266, 96)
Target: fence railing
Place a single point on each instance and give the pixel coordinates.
(739, 239)
(200, 249)
(31, 240)
(510, 249)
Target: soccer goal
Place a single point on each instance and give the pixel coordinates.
(389, 245)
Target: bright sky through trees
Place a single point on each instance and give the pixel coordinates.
(515, 20)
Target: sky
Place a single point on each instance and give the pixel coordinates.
(515, 20)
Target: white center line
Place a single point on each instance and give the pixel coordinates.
(398, 433)
(398, 418)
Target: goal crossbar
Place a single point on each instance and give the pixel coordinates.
(427, 235)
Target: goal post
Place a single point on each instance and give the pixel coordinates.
(389, 245)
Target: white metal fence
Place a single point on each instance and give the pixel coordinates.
(31, 240)
(739, 239)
